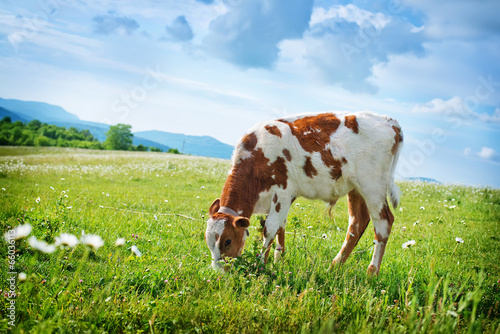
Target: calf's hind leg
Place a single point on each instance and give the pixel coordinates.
(358, 220)
(382, 222)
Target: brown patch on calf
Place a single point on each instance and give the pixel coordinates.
(385, 214)
(313, 134)
(287, 154)
(398, 138)
(249, 142)
(278, 207)
(281, 238)
(309, 168)
(351, 123)
(275, 198)
(273, 130)
(249, 178)
(344, 160)
(234, 228)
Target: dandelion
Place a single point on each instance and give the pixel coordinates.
(136, 251)
(41, 246)
(93, 240)
(38, 199)
(22, 277)
(408, 244)
(119, 242)
(19, 232)
(67, 239)
(459, 240)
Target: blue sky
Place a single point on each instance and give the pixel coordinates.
(217, 67)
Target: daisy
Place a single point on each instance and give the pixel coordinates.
(41, 246)
(67, 239)
(136, 251)
(119, 242)
(408, 244)
(459, 240)
(19, 232)
(93, 240)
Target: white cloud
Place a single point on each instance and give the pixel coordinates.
(454, 108)
(349, 13)
(487, 153)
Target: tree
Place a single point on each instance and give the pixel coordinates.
(119, 137)
(174, 151)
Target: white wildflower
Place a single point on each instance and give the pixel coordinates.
(19, 232)
(38, 199)
(136, 250)
(67, 239)
(22, 277)
(382, 292)
(93, 240)
(403, 228)
(119, 242)
(452, 207)
(309, 227)
(4, 189)
(452, 313)
(422, 208)
(408, 244)
(459, 240)
(323, 236)
(41, 246)
(107, 299)
(62, 179)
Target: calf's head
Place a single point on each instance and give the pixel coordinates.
(225, 234)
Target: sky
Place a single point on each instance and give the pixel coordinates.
(217, 67)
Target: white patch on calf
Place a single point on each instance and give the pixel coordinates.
(214, 228)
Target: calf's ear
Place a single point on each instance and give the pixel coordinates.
(214, 207)
(241, 222)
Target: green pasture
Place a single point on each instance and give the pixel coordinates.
(158, 202)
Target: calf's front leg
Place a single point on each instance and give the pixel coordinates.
(275, 225)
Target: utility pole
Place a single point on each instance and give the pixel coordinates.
(183, 142)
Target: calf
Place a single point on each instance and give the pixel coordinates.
(318, 156)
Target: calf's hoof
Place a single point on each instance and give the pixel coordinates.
(372, 270)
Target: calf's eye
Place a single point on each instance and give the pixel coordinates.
(227, 243)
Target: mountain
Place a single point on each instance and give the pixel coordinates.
(195, 145)
(423, 179)
(13, 116)
(25, 111)
(44, 112)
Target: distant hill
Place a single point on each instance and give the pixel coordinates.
(44, 112)
(13, 116)
(25, 111)
(423, 179)
(195, 145)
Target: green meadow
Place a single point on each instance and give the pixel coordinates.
(158, 202)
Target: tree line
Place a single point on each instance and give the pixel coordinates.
(36, 133)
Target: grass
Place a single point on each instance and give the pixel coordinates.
(159, 203)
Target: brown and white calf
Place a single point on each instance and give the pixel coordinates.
(318, 156)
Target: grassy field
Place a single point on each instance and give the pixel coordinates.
(158, 202)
